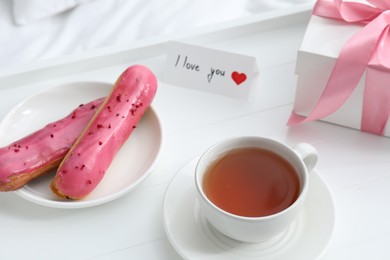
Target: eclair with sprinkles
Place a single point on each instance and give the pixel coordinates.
(87, 161)
(43, 150)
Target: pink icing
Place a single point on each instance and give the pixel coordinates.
(84, 167)
(45, 145)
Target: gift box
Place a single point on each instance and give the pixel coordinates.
(343, 66)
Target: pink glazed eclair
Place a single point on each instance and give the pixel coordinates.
(43, 150)
(90, 156)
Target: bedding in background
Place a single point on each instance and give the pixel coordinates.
(27, 11)
(33, 30)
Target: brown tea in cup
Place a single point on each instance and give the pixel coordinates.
(251, 182)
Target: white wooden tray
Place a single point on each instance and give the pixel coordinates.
(131, 227)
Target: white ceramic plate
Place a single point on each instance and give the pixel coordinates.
(194, 238)
(131, 165)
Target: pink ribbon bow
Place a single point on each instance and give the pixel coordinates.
(368, 50)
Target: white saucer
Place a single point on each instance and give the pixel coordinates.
(193, 237)
(131, 165)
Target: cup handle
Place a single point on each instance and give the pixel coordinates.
(308, 154)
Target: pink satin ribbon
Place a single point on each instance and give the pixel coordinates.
(366, 51)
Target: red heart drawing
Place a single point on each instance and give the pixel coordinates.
(238, 77)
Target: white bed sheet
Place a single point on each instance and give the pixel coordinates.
(84, 25)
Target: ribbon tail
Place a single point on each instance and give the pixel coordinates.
(376, 104)
(344, 78)
(295, 119)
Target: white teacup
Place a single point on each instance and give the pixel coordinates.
(302, 158)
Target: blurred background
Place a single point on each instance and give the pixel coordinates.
(33, 30)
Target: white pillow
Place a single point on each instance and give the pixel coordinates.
(26, 11)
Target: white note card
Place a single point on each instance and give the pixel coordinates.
(206, 69)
